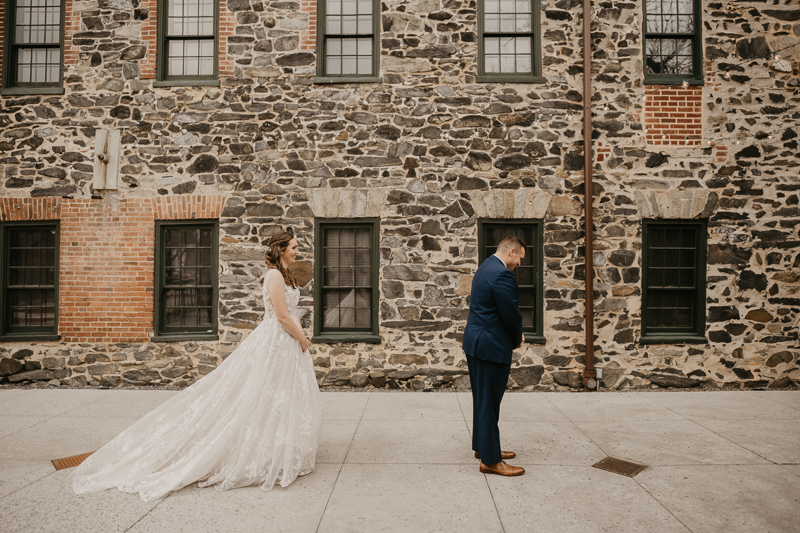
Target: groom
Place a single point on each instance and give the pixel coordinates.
(493, 330)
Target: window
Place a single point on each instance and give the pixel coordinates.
(34, 30)
(30, 281)
(186, 280)
(188, 41)
(529, 272)
(348, 37)
(673, 282)
(509, 41)
(346, 281)
(672, 41)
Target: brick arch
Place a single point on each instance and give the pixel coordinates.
(24, 209)
(187, 207)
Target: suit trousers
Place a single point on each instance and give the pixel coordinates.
(488, 382)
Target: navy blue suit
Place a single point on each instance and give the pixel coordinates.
(493, 330)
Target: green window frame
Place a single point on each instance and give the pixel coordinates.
(186, 280)
(30, 255)
(530, 273)
(188, 43)
(673, 42)
(348, 39)
(673, 281)
(33, 47)
(346, 264)
(509, 41)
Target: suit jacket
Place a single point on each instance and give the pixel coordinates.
(494, 324)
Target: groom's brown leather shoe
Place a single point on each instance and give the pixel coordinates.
(503, 455)
(502, 469)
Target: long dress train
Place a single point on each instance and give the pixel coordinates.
(254, 420)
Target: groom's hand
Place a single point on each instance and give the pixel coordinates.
(521, 343)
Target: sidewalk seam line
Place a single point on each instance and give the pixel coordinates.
(341, 466)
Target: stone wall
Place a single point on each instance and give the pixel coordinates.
(430, 151)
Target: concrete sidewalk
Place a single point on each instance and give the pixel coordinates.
(717, 461)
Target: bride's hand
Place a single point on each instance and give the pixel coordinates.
(304, 344)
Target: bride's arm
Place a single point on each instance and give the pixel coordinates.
(275, 286)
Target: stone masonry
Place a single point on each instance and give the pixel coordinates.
(429, 151)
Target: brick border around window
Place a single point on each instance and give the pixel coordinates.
(308, 38)
(72, 25)
(2, 37)
(187, 207)
(149, 35)
(29, 209)
(119, 258)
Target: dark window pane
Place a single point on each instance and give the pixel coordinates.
(348, 238)
(657, 257)
(205, 257)
(204, 317)
(687, 277)
(673, 238)
(527, 317)
(362, 298)
(655, 277)
(331, 257)
(331, 277)
(189, 257)
(347, 278)
(362, 257)
(206, 276)
(363, 277)
(363, 318)
(347, 257)
(526, 298)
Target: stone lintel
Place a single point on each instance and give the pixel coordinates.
(671, 204)
(519, 204)
(347, 203)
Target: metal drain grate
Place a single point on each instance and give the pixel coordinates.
(69, 462)
(618, 466)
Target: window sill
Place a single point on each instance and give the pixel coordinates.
(673, 339)
(346, 338)
(674, 80)
(185, 337)
(186, 83)
(511, 79)
(14, 91)
(32, 337)
(534, 339)
(330, 80)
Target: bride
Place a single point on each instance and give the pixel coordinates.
(254, 420)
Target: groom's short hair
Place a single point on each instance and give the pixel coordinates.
(511, 242)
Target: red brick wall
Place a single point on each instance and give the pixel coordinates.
(106, 271)
(672, 114)
(308, 38)
(147, 69)
(72, 24)
(226, 29)
(30, 208)
(107, 259)
(187, 207)
(2, 36)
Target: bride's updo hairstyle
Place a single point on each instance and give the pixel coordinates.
(275, 247)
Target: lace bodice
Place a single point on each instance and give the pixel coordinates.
(292, 296)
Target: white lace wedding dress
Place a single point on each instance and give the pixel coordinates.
(254, 420)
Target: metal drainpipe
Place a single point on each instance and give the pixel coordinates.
(588, 195)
